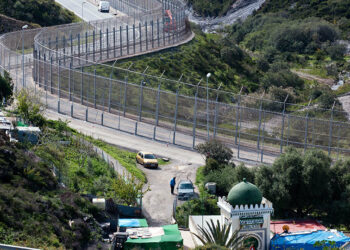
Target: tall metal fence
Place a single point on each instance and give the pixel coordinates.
(64, 70)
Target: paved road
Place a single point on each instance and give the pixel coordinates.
(89, 11)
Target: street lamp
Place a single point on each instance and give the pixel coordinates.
(208, 75)
(82, 10)
(23, 28)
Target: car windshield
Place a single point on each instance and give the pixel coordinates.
(150, 156)
(186, 186)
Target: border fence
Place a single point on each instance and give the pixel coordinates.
(61, 64)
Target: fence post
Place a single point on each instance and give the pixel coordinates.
(259, 128)
(114, 52)
(331, 131)
(306, 125)
(79, 47)
(81, 85)
(140, 32)
(157, 105)
(238, 107)
(71, 110)
(51, 62)
(93, 44)
(158, 32)
(125, 95)
(59, 79)
(70, 81)
(263, 137)
(163, 31)
(101, 45)
(136, 123)
(141, 100)
(175, 116)
(107, 42)
(216, 109)
(95, 87)
(239, 131)
(146, 36)
(121, 40)
(56, 49)
(127, 39)
(152, 33)
(109, 94)
(283, 118)
(194, 120)
(102, 118)
(87, 114)
(86, 45)
(134, 38)
(64, 50)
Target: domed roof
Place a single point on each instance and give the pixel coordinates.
(244, 193)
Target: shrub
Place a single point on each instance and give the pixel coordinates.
(336, 51)
(214, 149)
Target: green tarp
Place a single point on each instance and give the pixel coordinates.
(170, 240)
(21, 124)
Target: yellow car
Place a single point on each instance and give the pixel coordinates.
(147, 159)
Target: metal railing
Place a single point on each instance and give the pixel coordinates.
(64, 65)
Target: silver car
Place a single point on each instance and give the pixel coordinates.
(185, 190)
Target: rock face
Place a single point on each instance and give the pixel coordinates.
(8, 24)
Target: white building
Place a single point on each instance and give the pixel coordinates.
(244, 209)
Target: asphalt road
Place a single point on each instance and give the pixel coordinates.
(88, 12)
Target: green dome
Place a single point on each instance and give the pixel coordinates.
(244, 193)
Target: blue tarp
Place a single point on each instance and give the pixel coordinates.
(307, 241)
(132, 223)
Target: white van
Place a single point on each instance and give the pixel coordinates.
(103, 6)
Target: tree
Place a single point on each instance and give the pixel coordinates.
(6, 87)
(30, 108)
(337, 51)
(128, 189)
(214, 149)
(297, 183)
(220, 235)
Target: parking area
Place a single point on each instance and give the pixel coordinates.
(158, 203)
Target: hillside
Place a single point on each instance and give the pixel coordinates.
(211, 7)
(8, 24)
(43, 12)
(34, 210)
(333, 11)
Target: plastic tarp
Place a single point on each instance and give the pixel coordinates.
(132, 223)
(170, 240)
(307, 241)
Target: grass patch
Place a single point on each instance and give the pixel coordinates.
(125, 158)
(161, 162)
(200, 176)
(343, 90)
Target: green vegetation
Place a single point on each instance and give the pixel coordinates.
(211, 7)
(6, 87)
(43, 12)
(299, 185)
(30, 108)
(126, 158)
(228, 63)
(333, 11)
(220, 236)
(34, 210)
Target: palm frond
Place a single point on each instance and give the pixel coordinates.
(220, 235)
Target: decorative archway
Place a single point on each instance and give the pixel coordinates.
(252, 241)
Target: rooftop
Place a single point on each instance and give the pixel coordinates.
(296, 226)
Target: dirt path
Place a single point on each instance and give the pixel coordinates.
(158, 203)
(307, 76)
